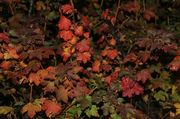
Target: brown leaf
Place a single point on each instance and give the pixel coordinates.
(143, 75)
(62, 94)
(32, 108)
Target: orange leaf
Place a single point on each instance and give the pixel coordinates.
(175, 64)
(112, 42)
(84, 57)
(32, 108)
(12, 52)
(66, 51)
(67, 9)
(64, 23)
(96, 66)
(51, 108)
(65, 35)
(78, 30)
(34, 78)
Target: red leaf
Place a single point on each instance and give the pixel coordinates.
(4, 37)
(129, 87)
(1, 55)
(5, 65)
(111, 54)
(83, 46)
(113, 76)
(85, 21)
(78, 30)
(66, 35)
(83, 57)
(143, 75)
(105, 14)
(51, 108)
(132, 6)
(137, 89)
(175, 64)
(96, 66)
(149, 14)
(67, 9)
(64, 23)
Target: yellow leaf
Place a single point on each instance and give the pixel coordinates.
(177, 106)
(6, 109)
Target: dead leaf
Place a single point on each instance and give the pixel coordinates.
(62, 94)
(32, 108)
(5, 110)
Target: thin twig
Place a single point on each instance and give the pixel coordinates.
(30, 95)
(30, 7)
(117, 10)
(72, 4)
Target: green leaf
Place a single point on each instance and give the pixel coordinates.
(115, 116)
(52, 15)
(86, 102)
(6, 109)
(75, 111)
(92, 112)
(160, 95)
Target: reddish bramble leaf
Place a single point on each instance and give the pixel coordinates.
(4, 37)
(66, 35)
(51, 108)
(96, 66)
(105, 14)
(78, 30)
(143, 75)
(111, 54)
(130, 57)
(5, 65)
(83, 46)
(132, 6)
(67, 9)
(129, 87)
(41, 53)
(85, 21)
(12, 52)
(83, 57)
(175, 64)
(64, 23)
(149, 14)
